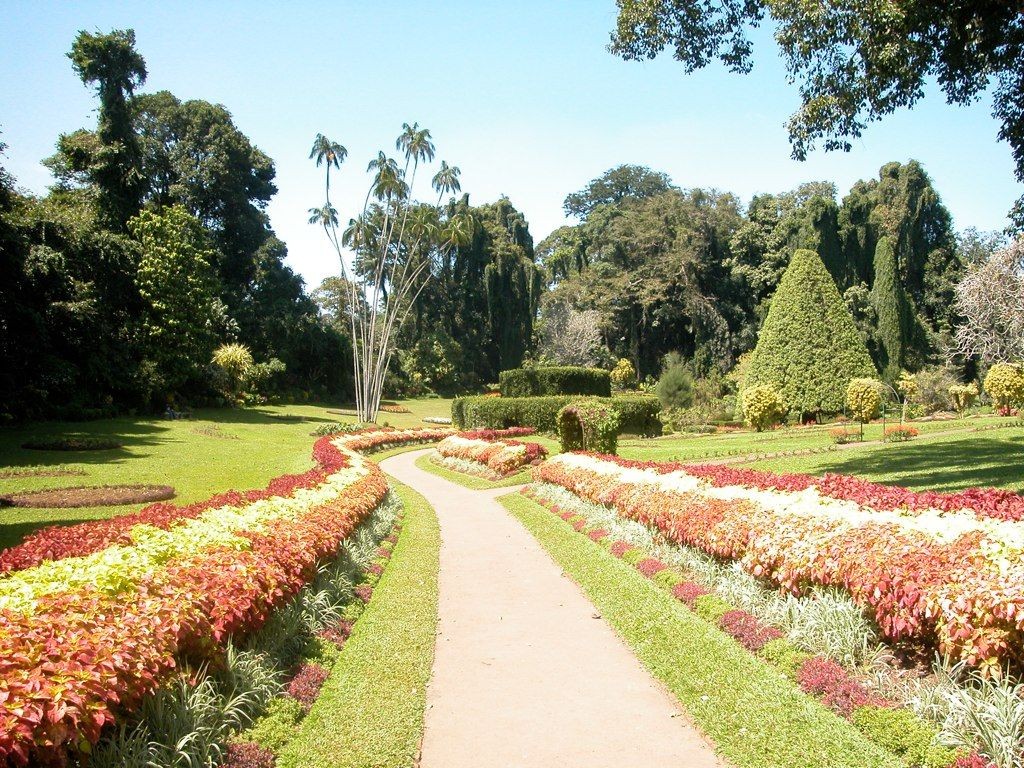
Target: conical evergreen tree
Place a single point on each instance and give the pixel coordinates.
(895, 316)
(809, 348)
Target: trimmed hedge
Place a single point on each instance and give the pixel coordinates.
(555, 380)
(638, 414)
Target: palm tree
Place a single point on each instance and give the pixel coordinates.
(330, 152)
(446, 180)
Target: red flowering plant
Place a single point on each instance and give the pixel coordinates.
(74, 661)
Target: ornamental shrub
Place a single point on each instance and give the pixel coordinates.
(896, 325)
(589, 425)
(555, 380)
(623, 375)
(1005, 385)
(900, 433)
(762, 407)
(638, 414)
(236, 361)
(963, 396)
(809, 347)
(864, 398)
(675, 387)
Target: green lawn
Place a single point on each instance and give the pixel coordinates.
(370, 710)
(756, 717)
(698, 447)
(940, 463)
(215, 450)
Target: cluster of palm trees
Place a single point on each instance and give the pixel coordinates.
(395, 242)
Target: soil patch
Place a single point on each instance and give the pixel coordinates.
(7, 474)
(88, 496)
(71, 444)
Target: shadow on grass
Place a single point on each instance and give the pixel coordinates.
(131, 434)
(941, 466)
(13, 533)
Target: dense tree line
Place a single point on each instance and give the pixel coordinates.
(152, 247)
(693, 271)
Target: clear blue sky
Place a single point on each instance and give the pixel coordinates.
(522, 96)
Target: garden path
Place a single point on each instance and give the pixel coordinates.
(525, 671)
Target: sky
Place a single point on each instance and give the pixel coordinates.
(523, 97)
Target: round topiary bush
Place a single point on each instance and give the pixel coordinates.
(1005, 385)
(588, 425)
(762, 407)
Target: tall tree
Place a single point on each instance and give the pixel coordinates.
(178, 286)
(854, 61)
(614, 186)
(896, 321)
(110, 159)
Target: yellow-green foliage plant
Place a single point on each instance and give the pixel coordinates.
(963, 396)
(1005, 385)
(762, 407)
(236, 362)
(864, 399)
(623, 375)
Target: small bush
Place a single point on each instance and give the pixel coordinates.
(842, 435)
(900, 433)
(687, 592)
(555, 380)
(675, 387)
(838, 690)
(784, 655)
(245, 754)
(747, 630)
(589, 425)
(277, 726)
(963, 396)
(1005, 385)
(623, 375)
(711, 608)
(864, 399)
(932, 389)
(305, 686)
(762, 407)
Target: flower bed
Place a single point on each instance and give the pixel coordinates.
(954, 580)
(91, 624)
(492, 451)
(884, 721)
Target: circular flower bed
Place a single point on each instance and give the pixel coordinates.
(72, 444)
(88, 496)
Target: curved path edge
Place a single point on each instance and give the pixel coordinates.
(526, 673)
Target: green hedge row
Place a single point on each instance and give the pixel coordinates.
(555, 380)
(638, 414)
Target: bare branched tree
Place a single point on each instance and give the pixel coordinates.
(570, 336)
(389, 251)
(991, 300)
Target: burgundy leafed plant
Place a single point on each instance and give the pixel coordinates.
(747, 630)
(245, 754)
(306, 684)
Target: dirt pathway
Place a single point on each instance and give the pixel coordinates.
(525, 672)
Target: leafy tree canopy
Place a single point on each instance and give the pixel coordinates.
(614, 186)
(854, 61)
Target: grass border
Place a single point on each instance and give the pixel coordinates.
(370, 710)
(426, 463)
(756, 717)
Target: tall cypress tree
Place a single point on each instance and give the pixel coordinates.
(809, 348)
(895, 315)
